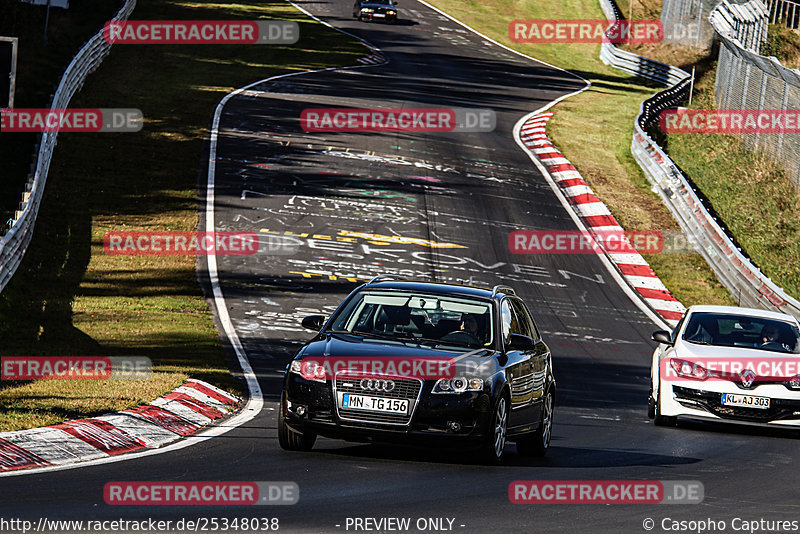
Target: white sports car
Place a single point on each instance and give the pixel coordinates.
(725, 363)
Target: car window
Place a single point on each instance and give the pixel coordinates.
(734, 330)
(412, 315)
(526, 325)
(677, 328)
(507, 318)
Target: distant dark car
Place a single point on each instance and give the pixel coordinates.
(499, 383)
(382, 10)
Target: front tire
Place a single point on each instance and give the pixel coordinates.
(539, 442)
(662, 420)
(651, 405)
(289, 439)
(492, 450)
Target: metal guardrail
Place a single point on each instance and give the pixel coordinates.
(745, 23)
(15, 242)
(635, 64)
(744, 280)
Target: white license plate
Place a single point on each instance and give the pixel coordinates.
(379, 15)
(745, 401)
(373, 404)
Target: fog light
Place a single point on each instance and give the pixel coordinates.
(453, 426)
(301, 411)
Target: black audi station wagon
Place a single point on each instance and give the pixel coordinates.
(376, 10)
(424, 363)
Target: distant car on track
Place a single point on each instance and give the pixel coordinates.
(372, 10)
(499, 383)
(728, 364)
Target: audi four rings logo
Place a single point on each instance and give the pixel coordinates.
(377, 385)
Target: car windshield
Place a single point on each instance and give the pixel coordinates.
(730, 330)
(417, 316)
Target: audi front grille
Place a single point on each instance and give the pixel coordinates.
(403, 388)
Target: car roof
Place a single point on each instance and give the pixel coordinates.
(738, 310)
(440, 288)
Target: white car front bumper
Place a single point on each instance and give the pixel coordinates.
(703, 400)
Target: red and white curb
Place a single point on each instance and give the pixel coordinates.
(597, 218)
(170, 417)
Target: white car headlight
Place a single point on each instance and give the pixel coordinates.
(457, 384)
(309, 370)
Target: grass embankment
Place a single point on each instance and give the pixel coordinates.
(68, 297)
(594, 130)
(747, 189)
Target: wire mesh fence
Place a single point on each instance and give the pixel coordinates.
(747, 80)
(686, 22)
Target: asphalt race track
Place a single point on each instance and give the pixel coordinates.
(336, 207)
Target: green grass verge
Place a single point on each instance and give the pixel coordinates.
(749, 192)
(594, 129)
(68, 297)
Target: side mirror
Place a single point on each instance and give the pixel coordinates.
(313, 322)
(662, 336)
(520, 342)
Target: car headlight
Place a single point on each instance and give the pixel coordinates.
(309, 370)
(366, 10)
(458, 384)
(793, 383)
(391, 12)
(687, 369)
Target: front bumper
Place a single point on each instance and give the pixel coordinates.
(378, 16)
(703, 400)
(449, 418)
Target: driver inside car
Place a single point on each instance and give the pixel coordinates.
(770, 339)
(468, 331)
(469, 324)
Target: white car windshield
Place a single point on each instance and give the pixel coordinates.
(420, 316)
(731, 330)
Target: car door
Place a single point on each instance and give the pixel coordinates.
(540, 358)
(519, 369)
